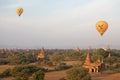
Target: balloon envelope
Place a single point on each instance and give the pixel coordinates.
(19, 11)
(101, 27)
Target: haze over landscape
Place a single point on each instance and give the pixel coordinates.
(58, 23)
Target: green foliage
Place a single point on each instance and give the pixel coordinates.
(73, 55)
(25, 71)
(78, 73)
(39, 75)
(56, 59)
(30, 57)
(62, 78)
(3, 61)
(21, 72)
(5, 73)
(117, 65)
(113, 63)
(17, 59)
(49, 63)
(115, 53)
(63, 66)
(101, 52)
(111, 60)
(94, 57)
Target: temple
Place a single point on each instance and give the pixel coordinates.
(96, 66)
(41, 55)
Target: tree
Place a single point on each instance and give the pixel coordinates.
(5, 73)
(39, 75)
(111, 60)
(30, 57)
(56, 59)
(101, 52)
(78, 73)
(17, 59)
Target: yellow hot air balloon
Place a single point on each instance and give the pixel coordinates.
(101, 27)
(19, 11)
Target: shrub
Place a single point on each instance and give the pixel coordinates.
(5, 73)
(62, 78)
(78, 73)
(18, 59)
(3, 61)
(25, 71)
(63, 66)
(49, 63)
(39, 75)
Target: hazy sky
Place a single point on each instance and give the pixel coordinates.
(59, 23)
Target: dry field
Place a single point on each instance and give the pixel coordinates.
(72, 62)
(4, 67)
(115, 76)
(55, 75)
(107, 75)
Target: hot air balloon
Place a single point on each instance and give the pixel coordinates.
(19, 11)
(101, 27)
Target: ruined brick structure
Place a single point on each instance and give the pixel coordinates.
(96, 66)
(41, 55)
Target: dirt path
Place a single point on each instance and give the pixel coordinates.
(115, 76)
(55, 75)
(4, 67)
(108, 75)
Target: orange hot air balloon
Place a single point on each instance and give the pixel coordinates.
(19, 11)
(101, 27)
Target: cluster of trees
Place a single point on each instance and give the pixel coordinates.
(78, 73)
(112, 61)
(23, 72)
(37, 73)
(54, 57)
(28, 57)
(18, 59)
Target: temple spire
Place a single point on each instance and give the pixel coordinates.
(109, 55)
(41, 55)
(87, 60)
